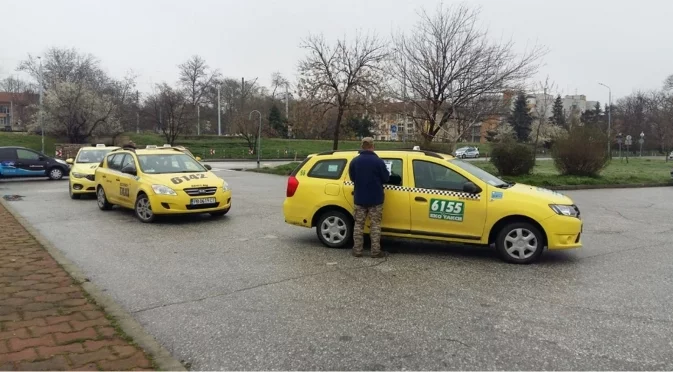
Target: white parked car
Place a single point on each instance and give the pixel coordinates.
(466, 152)
(670, 156)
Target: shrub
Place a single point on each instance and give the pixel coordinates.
(512, 158)
(581, 152)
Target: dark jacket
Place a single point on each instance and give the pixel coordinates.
(369, 173)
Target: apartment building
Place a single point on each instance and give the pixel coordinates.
(14, 110)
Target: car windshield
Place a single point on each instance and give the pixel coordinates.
(480, 173)
(169, 163)
(92, 156)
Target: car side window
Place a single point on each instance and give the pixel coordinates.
(433, 176)
(128, 160)
(396, 167)
(7, 154)
(115, 162)
(27, 155)
(330, 169)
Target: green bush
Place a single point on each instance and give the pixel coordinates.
(511, 158)
(581, 152)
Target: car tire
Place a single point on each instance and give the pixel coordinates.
(101, 199)
(55, 173)
(520, 243)
(335, 229)
(219, 213)
(72, 194)
(143, 209)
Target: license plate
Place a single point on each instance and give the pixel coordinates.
(204, 201)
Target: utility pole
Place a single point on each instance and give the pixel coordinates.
(219, 113)
(404, 93)
(609, 118)
(137, 112)
(198, 120)
(41, 106)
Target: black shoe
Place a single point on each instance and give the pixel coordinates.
(356, 254)
(381, 254)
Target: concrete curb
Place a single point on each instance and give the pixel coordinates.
(163, 359)
(600, 187)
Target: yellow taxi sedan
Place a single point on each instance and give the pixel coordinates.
(83, 168)
(160, 181)
(432, 196)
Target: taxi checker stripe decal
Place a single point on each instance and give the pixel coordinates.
(457, 194)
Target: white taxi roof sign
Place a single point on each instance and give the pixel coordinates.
(167, 145)
(417, 148)
(100, 145)
(151, 146)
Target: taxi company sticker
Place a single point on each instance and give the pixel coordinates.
(447, 210)
(496, 195)
(181, 179)
(389, 166)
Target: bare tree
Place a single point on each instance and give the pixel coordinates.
(277, 81)
(542, 110)
(170, 110)
(447, 61)
(195, 78)
(339, 76)
(668, 83)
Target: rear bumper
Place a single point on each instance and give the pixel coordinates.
(563, 232)
(295, 215)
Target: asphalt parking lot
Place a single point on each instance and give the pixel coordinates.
(248, 292)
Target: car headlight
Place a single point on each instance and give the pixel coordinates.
(61, 161)
(565, 210)
(163, 190)
(225, 187)
(78, 175)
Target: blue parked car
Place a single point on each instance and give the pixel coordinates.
(23, 162)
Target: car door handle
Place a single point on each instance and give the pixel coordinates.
(421, 199)
(117, 179)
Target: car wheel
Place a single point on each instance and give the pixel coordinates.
(335, 229)
(463, 156)
(72, 194)
(143, 209)
(219, 213)
(103, 204)
(55, 173)
(520, 243)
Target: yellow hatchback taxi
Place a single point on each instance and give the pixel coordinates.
(83, 168)
(434, 196)
(160, 181)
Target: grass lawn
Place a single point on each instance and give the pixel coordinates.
(31, 141)
(226, 147)
(635, 172)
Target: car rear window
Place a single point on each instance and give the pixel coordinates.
(329, 169)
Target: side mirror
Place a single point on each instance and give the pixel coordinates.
(395, 180)
(471, 188)
(198, 158)
(42, 158)
(69, 161)
(207, 166)
(129, 170)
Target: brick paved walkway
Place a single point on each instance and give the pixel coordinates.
(46, 321)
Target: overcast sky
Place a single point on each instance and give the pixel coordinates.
(625, 44)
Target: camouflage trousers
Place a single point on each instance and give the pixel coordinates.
(375, 214)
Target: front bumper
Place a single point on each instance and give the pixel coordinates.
(82, 185)
(172, 204)
(563, 232)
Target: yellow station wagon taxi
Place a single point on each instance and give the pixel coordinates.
(160, 181)
(83, 169)
(434, 196)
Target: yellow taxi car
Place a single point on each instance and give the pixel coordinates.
(160, 181)
(434, 196)
(83, 167)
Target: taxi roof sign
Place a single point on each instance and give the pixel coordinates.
(417, 148)
(100, 145)
(167, 145)
(151, 146)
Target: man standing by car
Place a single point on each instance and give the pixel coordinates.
(368, 172)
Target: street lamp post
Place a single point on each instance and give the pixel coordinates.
(41, 105)
(609, 118)
(259, 134)
(219, 113)
(641, 141)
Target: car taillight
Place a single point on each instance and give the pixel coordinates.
(292, 184)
